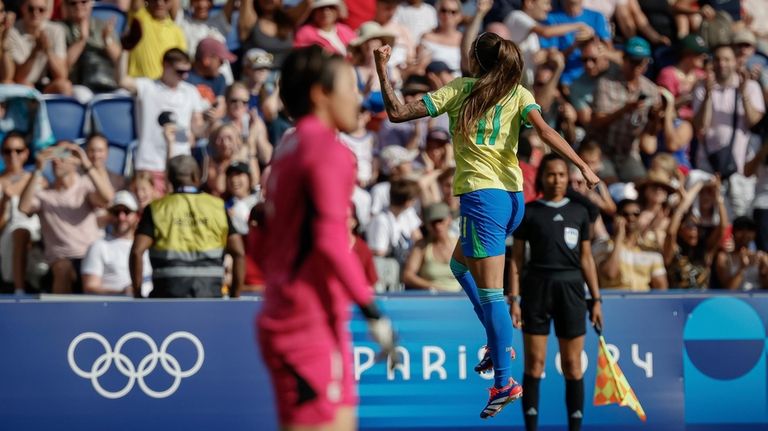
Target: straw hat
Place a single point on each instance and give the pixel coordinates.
(372, 30)
(657, 177)
(317, 4)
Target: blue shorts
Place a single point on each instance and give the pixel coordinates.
(488, 216)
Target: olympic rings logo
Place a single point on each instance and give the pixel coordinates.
(135, 373)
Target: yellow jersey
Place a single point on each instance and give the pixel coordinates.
(157, 37)
(489, 159)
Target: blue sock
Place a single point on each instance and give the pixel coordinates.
(499, 330)
(464, 277)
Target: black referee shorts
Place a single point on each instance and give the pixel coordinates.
(547, 297)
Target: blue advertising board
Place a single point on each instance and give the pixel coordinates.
(695, 362)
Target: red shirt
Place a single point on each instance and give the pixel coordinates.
(360, 11)
(254, 276)
(311, 274)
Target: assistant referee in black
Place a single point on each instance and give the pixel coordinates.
(552, 287)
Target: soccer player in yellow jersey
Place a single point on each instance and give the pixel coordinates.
(486, 113)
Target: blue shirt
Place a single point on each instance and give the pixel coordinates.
(573, 66)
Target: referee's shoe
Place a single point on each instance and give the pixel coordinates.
(500, 397)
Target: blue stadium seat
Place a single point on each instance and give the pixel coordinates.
(105, 12)
(113, 116)
(67, 117)
(119, 159)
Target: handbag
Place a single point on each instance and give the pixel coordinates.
(722, 160)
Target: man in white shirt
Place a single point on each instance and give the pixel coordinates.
(168, 94)
(418, 17)
(105, 266)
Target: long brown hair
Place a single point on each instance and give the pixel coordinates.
(500, 67)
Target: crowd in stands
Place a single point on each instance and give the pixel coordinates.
(665, 99)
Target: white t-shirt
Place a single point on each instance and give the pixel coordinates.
(417, 19)
(387, 231)
(761, 188)
(108, 258)
(520, 26)
(362, 200)
(606, 7)
(362, 147)
(152, 98)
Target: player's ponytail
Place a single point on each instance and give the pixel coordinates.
(500, 66)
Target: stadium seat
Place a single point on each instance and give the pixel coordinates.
(105, 12)
(113, 116)
(67, 117)
(118, 159)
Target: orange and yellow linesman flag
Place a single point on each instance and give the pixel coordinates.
(611, 387)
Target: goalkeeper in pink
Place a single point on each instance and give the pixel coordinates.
(311, 275)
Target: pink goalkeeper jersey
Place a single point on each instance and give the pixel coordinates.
(311, 274)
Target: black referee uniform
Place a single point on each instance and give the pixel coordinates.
(552, 285)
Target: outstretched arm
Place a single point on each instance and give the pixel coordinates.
(557, 143)
(397, 111)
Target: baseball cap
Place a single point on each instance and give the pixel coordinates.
(744, 36)
(416, 84)
(238, 168)
(374, 102)
(637, 48)
(694, 43)
(213, 47)
(394, 156)
(438, 134)
(257, 58)
(437, 211)
(124, 198)
(438, 67)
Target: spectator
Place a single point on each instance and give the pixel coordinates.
(404, 48)
(741, 268)
(758, 166)
(445, 183)
(323, 27)
(222, 22)
(253, 133)
(39, 50)
(654, 193)
(599, 198)
(257, 66)
(582, 91)
(18, 230)
(254, 276)
(411, 134)
(370, 36)
(393, 231)
(105, 266)
(7, 66)
(622, 101)
(631, 20)
(574, 12)
(438, 153)
(591, 153)
(67, 211)
(171, 94)
(439, 74)
(726, 105)
(427, 266)
(662, 17)
(143, 187)
(362, 142)
(681, 78)
(622, 263)
(525, 28)
(756, 65)
(93, 53)
(242, 194)
(205, 74)
(187, 261)
(688, 251)
(151, 34)
(397, 164)
(268, 25)
(359, 12)
(97, 149)
(667, 133)
(199, 24)
(225, 147)
(756, 18)
(443, 43)
(417, 16)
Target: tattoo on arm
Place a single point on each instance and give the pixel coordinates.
(398, 111)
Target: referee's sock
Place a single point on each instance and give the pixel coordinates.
(498, 327)
(531, 402)
(467, 282)
(574, 402)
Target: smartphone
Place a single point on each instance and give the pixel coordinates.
(181, 136)
(60, 153)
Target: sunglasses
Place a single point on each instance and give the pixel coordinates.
(117, 211)
(182, 72)
(449, 11)
(9, 151)
(234, 101)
